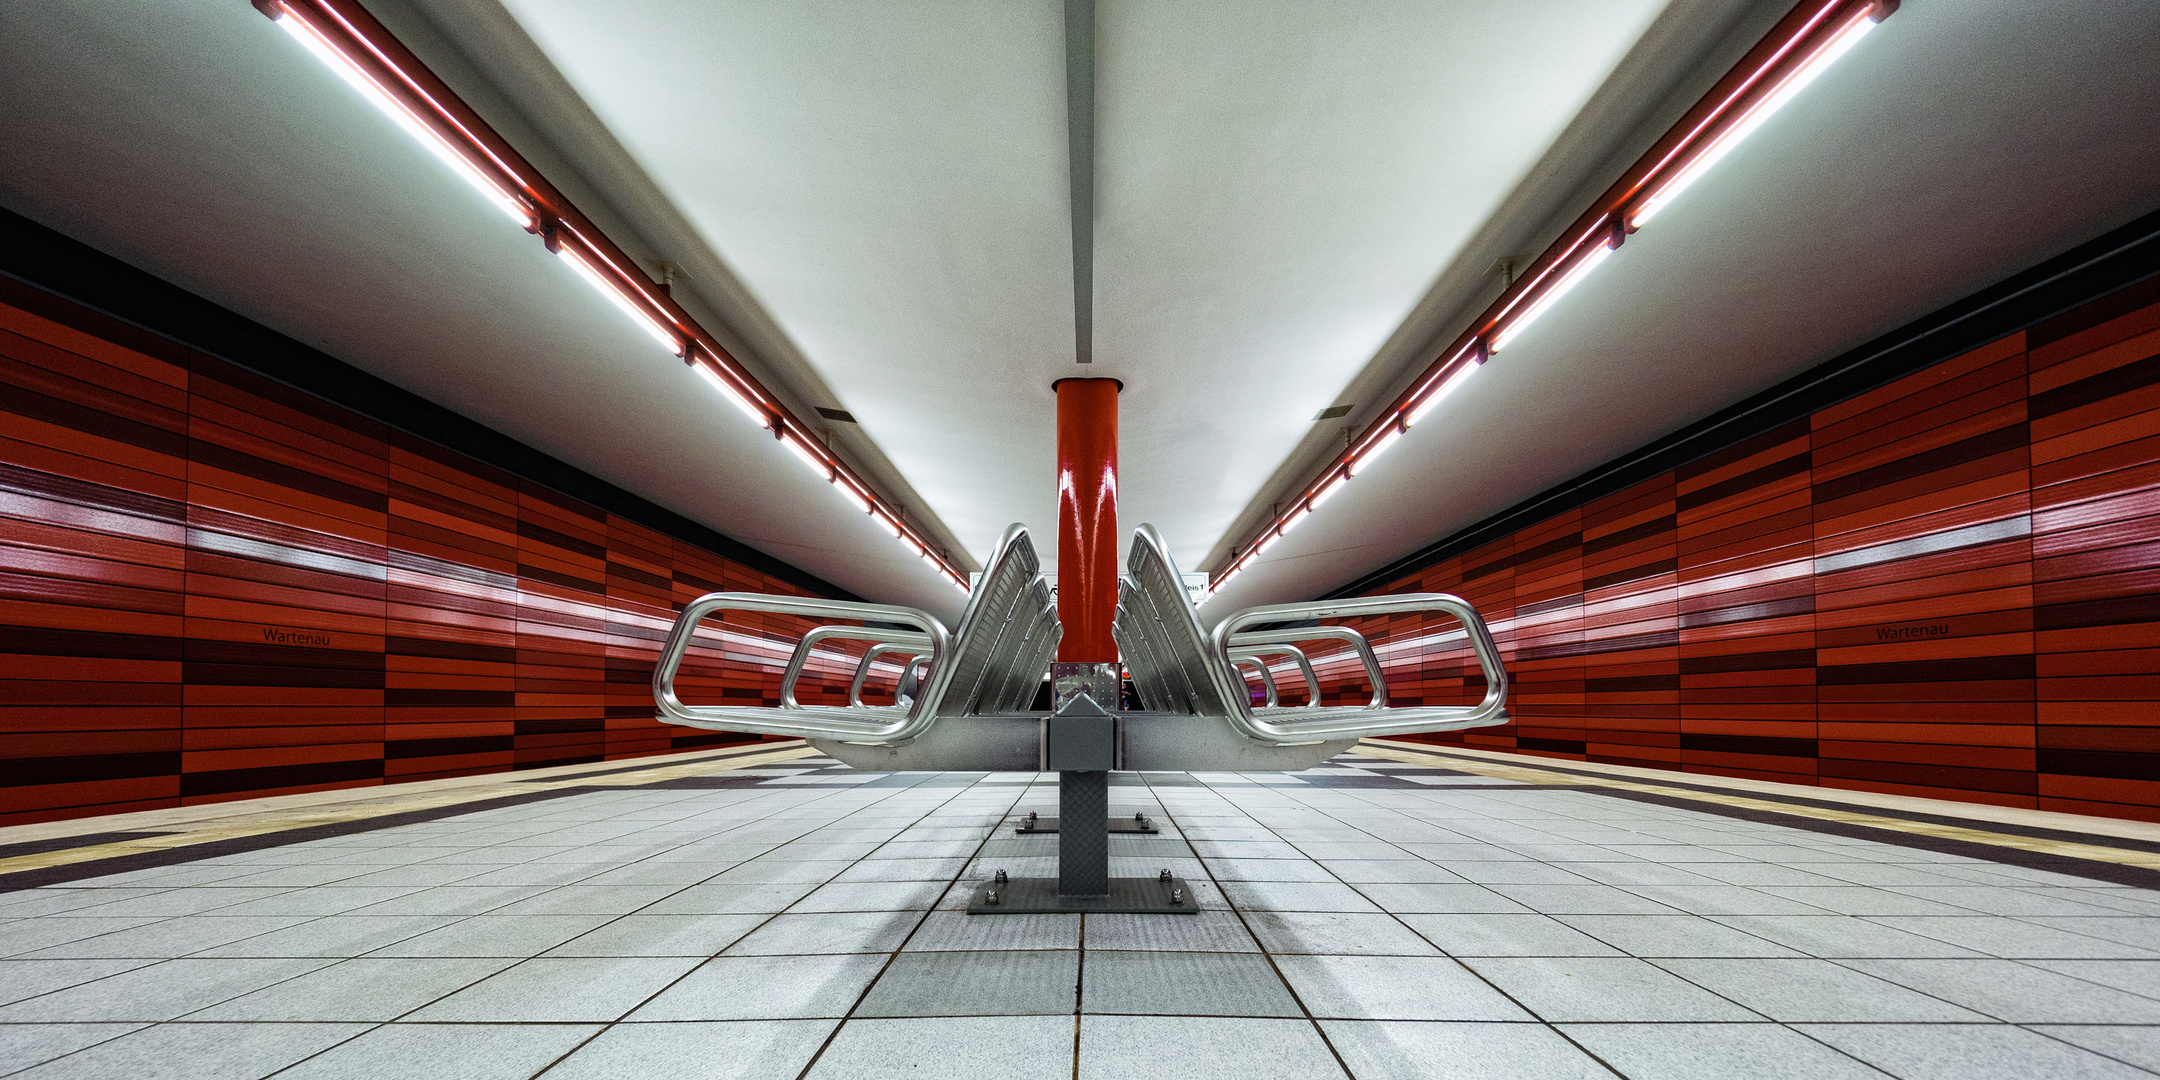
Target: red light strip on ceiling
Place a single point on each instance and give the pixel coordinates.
(1806, 42)
(361, 51)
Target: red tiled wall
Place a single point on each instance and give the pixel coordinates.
(1948, 586)
(215, 586)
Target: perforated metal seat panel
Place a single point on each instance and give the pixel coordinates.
(1156, 616)
(986, 624)
(1179, 668)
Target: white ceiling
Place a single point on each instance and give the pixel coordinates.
(1277, 186)
(262, 182)
(889, 180)
(1955, 145)
(881, 190)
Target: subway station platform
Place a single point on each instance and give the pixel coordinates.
(1400, 912)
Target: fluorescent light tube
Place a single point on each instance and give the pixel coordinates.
(1794, 83)
(756, 414)
(1329, 491)
(1445, 388)
(314, 41)
(668, 338)
(847, 490)
(1560, 288)
(808, 458)
(1374, 450)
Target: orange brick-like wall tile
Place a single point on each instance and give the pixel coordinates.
(1948, 586)
(214, 586)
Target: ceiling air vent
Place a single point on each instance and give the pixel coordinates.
(837, 415)
(1332, 412)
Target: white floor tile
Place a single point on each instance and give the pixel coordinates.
(1398, 1050)
(196, 1052)
(1716, 1052)
(958, 1048)
(718, 1050)
(1394, 988)
(445, 1052)
(766, 988)
(1968, 1052)
(1203, 1048)
(559, 990)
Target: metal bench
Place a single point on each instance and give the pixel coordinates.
(1006, 633)
(971, 712)
(1196, 713)
(1177, 668)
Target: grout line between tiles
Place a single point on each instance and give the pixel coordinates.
(1480, 976)
(894, 956)
(1232, 905)
(1079, 987)
(1554, 823)
(819, 796)
(603, 1028)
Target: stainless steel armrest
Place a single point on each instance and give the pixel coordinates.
(913, 650)
(872, 724)
(1375, 719)
(1358, 644)
(1267, 678)
(1261, 652)
(810, 641)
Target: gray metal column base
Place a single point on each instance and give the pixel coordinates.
(1080, 744)
(1127, 896)
(1036, 824)
(1084, 851)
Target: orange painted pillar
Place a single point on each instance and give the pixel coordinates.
(1087, 529)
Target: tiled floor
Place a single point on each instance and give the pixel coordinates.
(1373, 917)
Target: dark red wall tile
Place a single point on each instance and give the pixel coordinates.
(213, 586)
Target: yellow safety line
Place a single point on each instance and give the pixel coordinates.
(401, 803)
(272, 821)
(1531, 774)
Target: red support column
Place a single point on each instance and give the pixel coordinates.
(1087, 529)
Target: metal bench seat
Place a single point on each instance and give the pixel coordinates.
(968, 711)
(992, 663)
(1178, 668)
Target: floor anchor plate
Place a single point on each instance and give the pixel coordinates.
(1035, 825)
(1128, 896)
